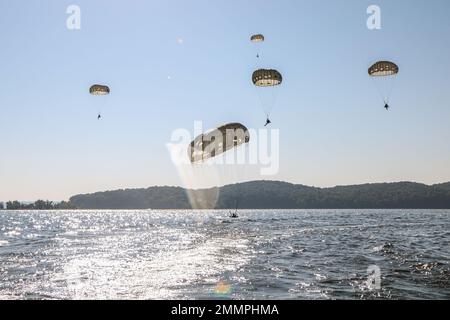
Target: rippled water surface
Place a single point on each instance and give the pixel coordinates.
(304, 254)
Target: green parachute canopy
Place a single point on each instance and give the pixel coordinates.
(257, 38)
(267, 78)
(99, 90)
(217, 142)
(383, 69)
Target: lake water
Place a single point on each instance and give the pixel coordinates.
(304, 254)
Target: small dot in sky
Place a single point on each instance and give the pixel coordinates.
(180, 40)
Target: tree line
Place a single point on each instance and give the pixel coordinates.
(259, 195)
(37, 205)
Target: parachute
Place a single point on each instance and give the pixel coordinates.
(384, 74)
(267, 78)
(267, 82)
(99, 90)
(217, 142)
(216, 158)
(383, 69)
(257, 38)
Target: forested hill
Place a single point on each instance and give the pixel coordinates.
(274, 195)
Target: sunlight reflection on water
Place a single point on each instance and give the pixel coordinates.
(204, 255)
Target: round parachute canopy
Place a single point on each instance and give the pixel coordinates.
(383, 69)
(99, 90)
(267, 78)
(218, 141)
(257, 38)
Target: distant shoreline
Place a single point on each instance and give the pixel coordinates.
(264, 195)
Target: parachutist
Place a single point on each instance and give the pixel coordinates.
(384, 70)
(99, 90)
(267, 80)
(257, 38)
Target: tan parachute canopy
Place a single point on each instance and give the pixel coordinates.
(267, 78)
(257, 38)
(383, 69)
(218, 141)
(99, 90)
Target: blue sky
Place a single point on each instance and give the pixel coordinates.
(332, 125)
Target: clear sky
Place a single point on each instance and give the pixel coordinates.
(333, 127)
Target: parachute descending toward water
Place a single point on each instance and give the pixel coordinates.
(383, 69)
(215, 158)
(384, 74)
(99, 90)
(267, 82)
(217, 142)
(267, 78)
(257, 39)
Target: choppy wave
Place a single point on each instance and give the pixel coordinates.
(309, 254)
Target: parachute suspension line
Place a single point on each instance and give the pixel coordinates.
(391, 88)
(266, 82)
(101, 105)
(266, 100)
(379, 90)
(268, 109)
(385, 91)
(274, 99)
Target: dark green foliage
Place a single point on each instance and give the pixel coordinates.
(155, 197)
(39, 205)
(278, 195)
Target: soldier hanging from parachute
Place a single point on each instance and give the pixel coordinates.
(384, 74)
